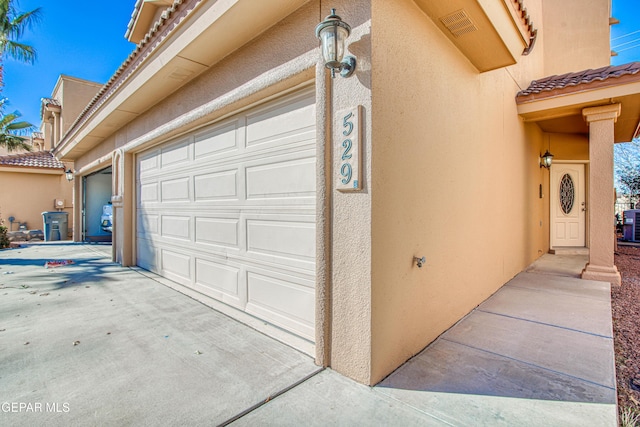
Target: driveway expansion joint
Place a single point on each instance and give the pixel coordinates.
(529, 364)
(270, 398)
(564, 328)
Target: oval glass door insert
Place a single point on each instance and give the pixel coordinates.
(567, 193)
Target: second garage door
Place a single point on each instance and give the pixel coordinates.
(229, 211)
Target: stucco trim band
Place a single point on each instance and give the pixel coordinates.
(289, 77)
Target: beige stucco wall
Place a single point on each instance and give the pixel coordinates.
(278, 62)
(26, 195)
(5, 152)
(74, 94)
(87, 163)
(351, 219)
(565, 146)
(455, 178)
(450, 171)
(576, 35)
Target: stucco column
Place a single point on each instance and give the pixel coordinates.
(123, 237)
(77, 208)
(56, 129)
(601, 122)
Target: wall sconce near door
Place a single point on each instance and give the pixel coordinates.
(546, 159)
(333, 32)
(69, 174)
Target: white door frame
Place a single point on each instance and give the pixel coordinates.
(568, 229)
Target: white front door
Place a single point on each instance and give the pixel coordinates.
(568, 205)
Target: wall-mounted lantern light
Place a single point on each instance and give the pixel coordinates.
(546, 159)
(69, 174)
(333, 32)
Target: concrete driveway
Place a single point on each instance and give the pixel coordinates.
(92, 343)
(106, 345)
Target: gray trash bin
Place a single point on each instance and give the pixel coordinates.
(56, 225)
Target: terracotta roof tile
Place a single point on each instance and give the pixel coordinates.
(47, 103)
(572, 82)
(527, 24)
(132, 20)
(38, 159)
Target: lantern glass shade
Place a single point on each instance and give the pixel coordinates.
(69, 174)
(332, 38)
(547, 159)
(333, 33)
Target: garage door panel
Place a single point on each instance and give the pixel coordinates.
(229, 211)
(219, 281)
(148, 225)
(148, 162)
(282, 302)
(282, 239)
(282, 141)
(218, 231)
(176, 266)
(220, 185)
(177, 227)
(293, 178)
(147, 257)
(149, 193)
(281, 123)
(218, 140)
(240, 159)
(175, 190)
(175, 153)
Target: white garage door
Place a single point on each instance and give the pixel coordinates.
(229, 211)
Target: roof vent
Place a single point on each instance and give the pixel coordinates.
(458, 23)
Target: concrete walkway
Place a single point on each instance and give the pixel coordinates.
(93, 343)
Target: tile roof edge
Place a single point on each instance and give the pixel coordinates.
(527, 23)
(133, 61)
(32, 155)
(61, 169)
(598, 80)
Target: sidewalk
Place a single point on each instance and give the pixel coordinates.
(538, 352)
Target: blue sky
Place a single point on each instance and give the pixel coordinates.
(625, 36)
(85, 39)
(80, 38)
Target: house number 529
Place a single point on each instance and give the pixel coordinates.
(348, 149)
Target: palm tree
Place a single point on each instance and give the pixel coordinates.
(13, 23)
(12, 132)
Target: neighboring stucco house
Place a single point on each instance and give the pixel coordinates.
(32, 183)
(35, 182)
(234, 156)
(68, 99)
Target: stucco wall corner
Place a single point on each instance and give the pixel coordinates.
(351, 211)
(323, 218)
